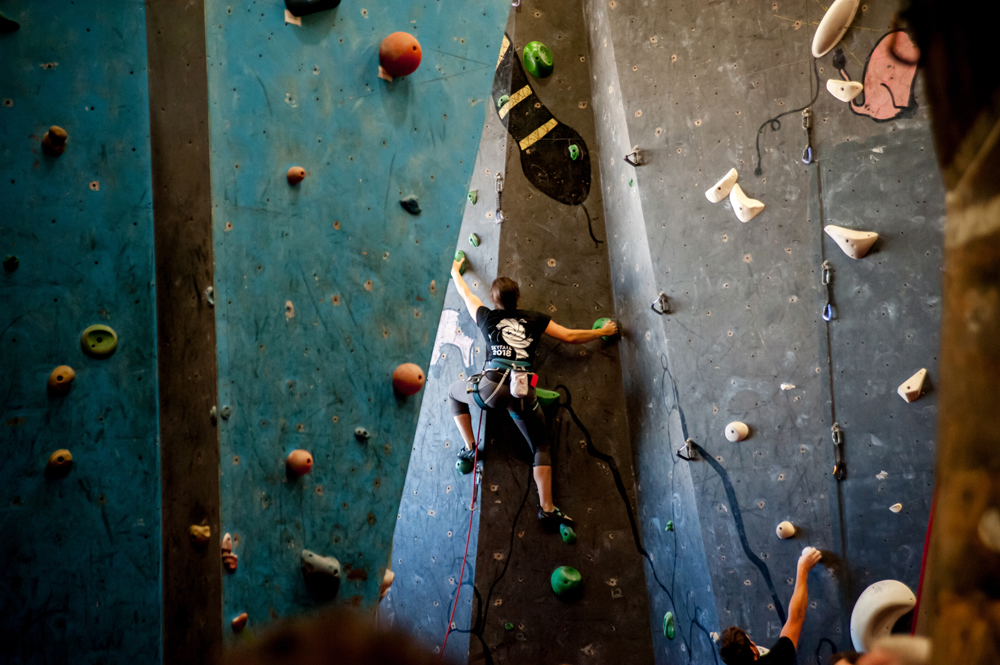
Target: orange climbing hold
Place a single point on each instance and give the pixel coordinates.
(399, 54)
(408, 379)
(295, 175)
(299, 462)
(240, 622)
(60, 461)
(61, 379)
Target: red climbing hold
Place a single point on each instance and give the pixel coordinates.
(408, 379)
(299, 462)
(240, 622)
(399, 54)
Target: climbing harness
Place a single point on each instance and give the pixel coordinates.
(827, 275)
(498, 216)
(807, 154)
(839, 468)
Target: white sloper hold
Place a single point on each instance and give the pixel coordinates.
(845, 91)
(896, 507)
(737, 431)
(745, 207)
(876, 611)
(854, 243)
(832, 27)
(785, 530)
(721, 189)
(913, 386)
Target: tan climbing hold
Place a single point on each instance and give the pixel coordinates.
(845, 91)
(60, 461)
(854, 243)
(229, 560)
(299, 462)
(721, 189)
(61, 379)
(737, 431)
(896, 507)
(833, 25)
(785, 530)
(913, 386)
(745, 207)
(200, 534)
(240, 622)
(295, 175)
(54, 141)
(386, 583)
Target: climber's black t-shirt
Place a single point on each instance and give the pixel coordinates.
(511, 335)
(782, 653)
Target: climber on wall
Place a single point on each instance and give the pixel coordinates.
(736, 648)
(512, 337)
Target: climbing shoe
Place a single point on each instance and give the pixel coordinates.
(555, 516)
(467, 453)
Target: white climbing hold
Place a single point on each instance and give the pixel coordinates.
(989, 529)
(289, 310)
(721, 189)
(896, 507)
(845, 91)
(292, 19)
(788, 386)
(745, 207)
(715, 636)
(854, 243)
(737, 431)
(882, 475)
(913, 386)
(832, 27)
(785, 530)
(877, 610)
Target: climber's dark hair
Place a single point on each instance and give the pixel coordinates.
(505, 293)
(734, 647)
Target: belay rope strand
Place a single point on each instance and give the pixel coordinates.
(775, 122)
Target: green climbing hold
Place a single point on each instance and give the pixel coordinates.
(599, 323)
(668, 625)
(460, 256)
(574, 152)
(567, 533)
(474, 240)
(474, 196)
(546, 397)
(566, 580)
(99, 341)
(538, 60)
(630, 182)
(464, 466)
(508, 626)
(10, 263)
(670, 525)
(503, 100)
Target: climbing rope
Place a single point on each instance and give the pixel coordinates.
(468, 537)
(775, 122)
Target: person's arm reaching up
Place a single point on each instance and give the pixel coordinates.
(800, 597)
(579, 336)
(472, 301)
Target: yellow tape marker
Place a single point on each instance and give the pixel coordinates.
(514, 100)
(534, 136)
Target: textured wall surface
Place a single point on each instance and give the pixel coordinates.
(324, 288)
(433, 518)
(81, 553)
(696, 82)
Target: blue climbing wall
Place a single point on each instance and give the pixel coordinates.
(324, 288)
(81, 553)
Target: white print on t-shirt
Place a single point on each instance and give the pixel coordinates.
(513, 333)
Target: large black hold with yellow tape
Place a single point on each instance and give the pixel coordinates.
(543, 141)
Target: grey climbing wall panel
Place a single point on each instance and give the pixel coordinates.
(696, 82)
(548, 247)
(81, 552)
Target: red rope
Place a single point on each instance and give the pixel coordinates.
(923, 565)
(468, 538)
